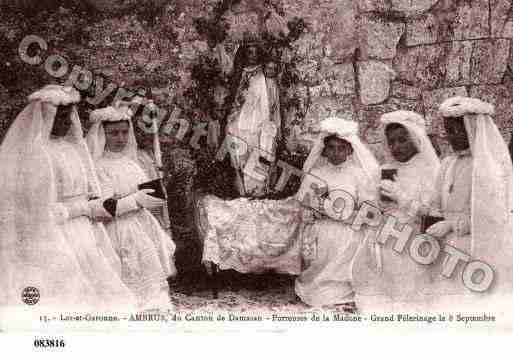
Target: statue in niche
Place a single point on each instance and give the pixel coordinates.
(244, 85)
(254, 116)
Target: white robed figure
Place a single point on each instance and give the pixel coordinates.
(48, 240)
(145, 250)
(386, 280)
(253, 120)
(339, 161)
(474, 195)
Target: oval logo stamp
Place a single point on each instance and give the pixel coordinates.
(30, 295)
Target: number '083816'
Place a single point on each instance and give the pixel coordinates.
(49, 343)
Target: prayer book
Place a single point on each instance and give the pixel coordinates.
(428, 221)
(388, 174)
(156, 185)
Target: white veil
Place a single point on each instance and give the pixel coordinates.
(33, 250)
(347, 130)
(492, 187)
(416, 127)
(30, 241)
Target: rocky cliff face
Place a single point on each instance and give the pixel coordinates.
(358, 59)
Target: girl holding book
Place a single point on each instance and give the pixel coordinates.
(146, 251)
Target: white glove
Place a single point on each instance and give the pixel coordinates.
(392, 190)
(137, 200)
(144, 200)
(126, 204)
(440, 229)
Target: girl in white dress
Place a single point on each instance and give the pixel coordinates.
(474, 194)
(48, 240)
(145, 250)
(339, 161)
(399, 283)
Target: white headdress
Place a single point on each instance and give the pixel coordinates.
(347, 130)
(56, 95)
(96, 134)
(29, 232)
(460, 106)
(492, 185)
(416, 127)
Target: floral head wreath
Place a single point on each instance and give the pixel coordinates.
(56, 95)
(459, 106)
(339, 127)
(402, 115)
(118, 112)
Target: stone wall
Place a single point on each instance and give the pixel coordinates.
(391, 54)
(355, 58)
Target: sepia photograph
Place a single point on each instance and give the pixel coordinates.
(177, 166)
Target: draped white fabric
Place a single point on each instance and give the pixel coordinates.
(491, 227)
(251, 236)
(253, 126)
(492, 193)
(35, 247)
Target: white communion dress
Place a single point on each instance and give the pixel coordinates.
(145, 250)
(327, 278)
(91, 249)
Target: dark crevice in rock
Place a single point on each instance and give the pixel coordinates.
(490, 30)
(357, 86)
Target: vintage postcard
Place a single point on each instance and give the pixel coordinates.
(173, 166)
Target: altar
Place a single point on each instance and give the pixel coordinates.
(251, 236)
